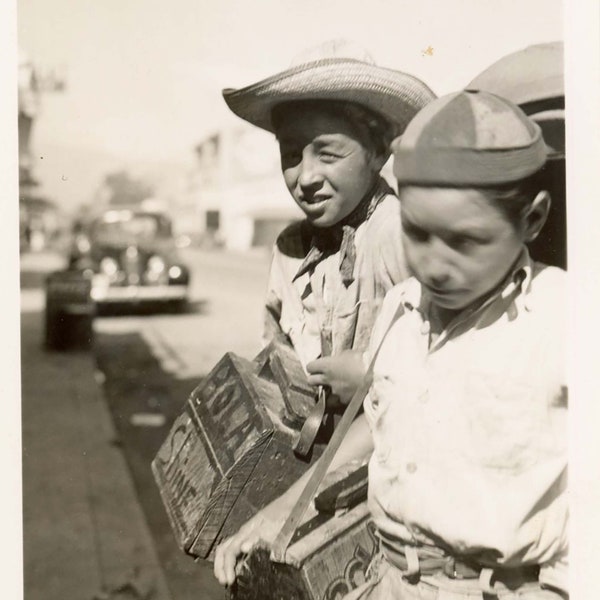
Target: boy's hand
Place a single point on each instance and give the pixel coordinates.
(343, 373)
(259, 529)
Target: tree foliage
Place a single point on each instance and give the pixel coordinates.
(122, 188)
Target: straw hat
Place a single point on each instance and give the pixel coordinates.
(468, 138)
(338, 71)
(532, 78)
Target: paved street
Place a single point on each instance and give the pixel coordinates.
(225, 314)
(84, 533)
(142, 369)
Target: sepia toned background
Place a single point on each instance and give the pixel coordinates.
(121, 100)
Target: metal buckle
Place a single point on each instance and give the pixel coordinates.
(450, 569)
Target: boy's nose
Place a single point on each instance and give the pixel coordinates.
(309, 173)
(438, 279)
(436, 272)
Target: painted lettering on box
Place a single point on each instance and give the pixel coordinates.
(226, 412)
(175, 468)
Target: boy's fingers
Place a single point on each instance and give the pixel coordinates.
(315, 366)
(229, 559)
(247, 545)
(226, 557)
(318, 379)
(218, 566)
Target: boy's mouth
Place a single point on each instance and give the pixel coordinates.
(440, 291)
(315, 200)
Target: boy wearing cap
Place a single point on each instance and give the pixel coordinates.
(334, 116)
(467, 479)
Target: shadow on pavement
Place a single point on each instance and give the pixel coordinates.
(143, 401)
(128, 309)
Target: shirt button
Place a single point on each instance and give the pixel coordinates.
(411, 467)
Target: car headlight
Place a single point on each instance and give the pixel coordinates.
(82, 244)
(156, 264)
(175, 272)
(109, 266)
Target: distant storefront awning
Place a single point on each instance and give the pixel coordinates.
(36, 203)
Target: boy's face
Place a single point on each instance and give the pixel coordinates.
(457, 243)
(326, 165)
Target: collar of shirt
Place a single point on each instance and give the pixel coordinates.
(340, 237)
(509, 296)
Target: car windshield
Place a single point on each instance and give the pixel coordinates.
(130, 224)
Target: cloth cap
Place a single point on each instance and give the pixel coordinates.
(469, 138)
(336, 70)
(532, 78)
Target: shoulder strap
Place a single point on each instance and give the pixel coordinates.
(289, 527)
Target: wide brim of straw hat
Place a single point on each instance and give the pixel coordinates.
(532, 78)
(395, 95)
(533, 74)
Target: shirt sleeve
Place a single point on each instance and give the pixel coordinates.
(390, 312)
(273, 302)
(393, 260)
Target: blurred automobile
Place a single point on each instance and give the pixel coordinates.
(134, 258)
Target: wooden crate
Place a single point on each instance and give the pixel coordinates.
(230, 453)
(328, 556)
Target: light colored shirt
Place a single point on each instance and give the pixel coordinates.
(319, 301)
(469, 433)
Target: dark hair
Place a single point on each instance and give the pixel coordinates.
(513, 199)
(371, 125)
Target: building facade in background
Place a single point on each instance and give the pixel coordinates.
(241, 199)
(39, 218)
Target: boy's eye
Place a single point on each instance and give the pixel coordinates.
(415, 233)
(327, 156)
(462, 243)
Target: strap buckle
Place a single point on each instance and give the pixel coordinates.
(450, 569)
(311, 426)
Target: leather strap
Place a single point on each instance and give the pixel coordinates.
(311, 425)
(284, 536)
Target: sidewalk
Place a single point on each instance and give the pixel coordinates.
(84, 533)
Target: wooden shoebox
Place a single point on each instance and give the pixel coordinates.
(327, 558)
(231, 451)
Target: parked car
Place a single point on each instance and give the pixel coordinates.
(133, 256)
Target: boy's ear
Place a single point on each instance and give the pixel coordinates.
(378, 160)
(536, 215)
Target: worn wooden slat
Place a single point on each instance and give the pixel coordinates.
(273, 473)
(180, 465)
(344, 494)
(223, 498)
(206, 459)
(226, 410)
(231, 452)
(278, 363)
(325, 564)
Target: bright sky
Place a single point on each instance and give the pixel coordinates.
(144, 76)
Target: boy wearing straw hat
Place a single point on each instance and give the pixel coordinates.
(533, 79)
(334, 115)
(467, 478)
